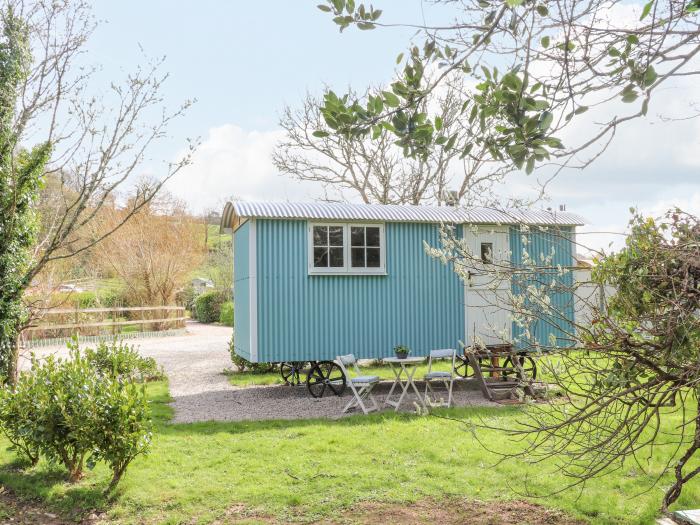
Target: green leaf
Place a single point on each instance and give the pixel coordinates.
(646, 10)
(629, 97)
(324, 8)
(632, 39)
(438, 123)
(350, 6)
(542, 10)
(514, 3)
(546, 120)
(339, 5)
(451, 142)
(320, 134)
(364, 26)
(580, 110)
(466, 150)
(399, 58)
(530, 167)
(545, 42)
(650, 76)
(390, 99)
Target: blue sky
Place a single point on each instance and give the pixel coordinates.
(245, 60)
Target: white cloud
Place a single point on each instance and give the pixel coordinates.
(234, 162)
(652, 164)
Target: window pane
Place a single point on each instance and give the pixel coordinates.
(373, 259)
(335, 235)
(358, 257)
(320, 235)
(486, 252)
(320, 257)
(357, 236)
(336, 257)
(372, 237)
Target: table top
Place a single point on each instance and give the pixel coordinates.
(406, 360)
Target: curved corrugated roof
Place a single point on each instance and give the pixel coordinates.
(395, 213)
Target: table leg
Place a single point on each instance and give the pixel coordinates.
(415, 388)
(408, 383)
(397, 381)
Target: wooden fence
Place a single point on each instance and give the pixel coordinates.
(67, 322)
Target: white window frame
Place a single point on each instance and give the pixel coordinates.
(346, 269)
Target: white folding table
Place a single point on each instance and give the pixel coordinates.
(403, 370)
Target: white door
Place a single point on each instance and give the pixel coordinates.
(487, 318)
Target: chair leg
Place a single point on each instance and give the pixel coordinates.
(449, 396)
(354, 401)
(374, 406)
(361, 404)
(350, 405)
(359, 397)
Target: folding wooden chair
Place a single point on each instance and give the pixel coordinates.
(445, 378)
(360, 385)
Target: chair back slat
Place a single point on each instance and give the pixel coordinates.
(348, 359)
(442, 354)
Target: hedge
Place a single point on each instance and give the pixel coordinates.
(208, 306)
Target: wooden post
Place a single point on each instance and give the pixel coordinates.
(495, 362)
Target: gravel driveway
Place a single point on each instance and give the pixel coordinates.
(201, 392)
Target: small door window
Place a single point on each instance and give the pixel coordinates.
(487, 252)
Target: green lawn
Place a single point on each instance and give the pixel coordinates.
(310, 469)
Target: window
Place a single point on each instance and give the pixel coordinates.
(328, 247)
(346, 248)
(487, 252)
(365, 250)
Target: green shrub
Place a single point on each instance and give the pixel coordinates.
(208, 306)
(76, 414)
(243, 365)
(186, 297)
(226, 315)
(86, 299)
(17, 416)
(120, 360)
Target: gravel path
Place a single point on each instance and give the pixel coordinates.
(201, 392)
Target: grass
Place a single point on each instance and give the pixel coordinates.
(215, 238)
(304, 470)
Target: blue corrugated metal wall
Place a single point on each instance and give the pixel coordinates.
(541, 244)
(419, 303)
(241, 290)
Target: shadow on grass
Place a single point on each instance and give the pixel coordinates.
(47, 483)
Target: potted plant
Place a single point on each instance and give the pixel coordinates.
(401, 351)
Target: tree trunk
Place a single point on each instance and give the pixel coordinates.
(13, 362)
(674, 491)
(9, 359)
(117, 474)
